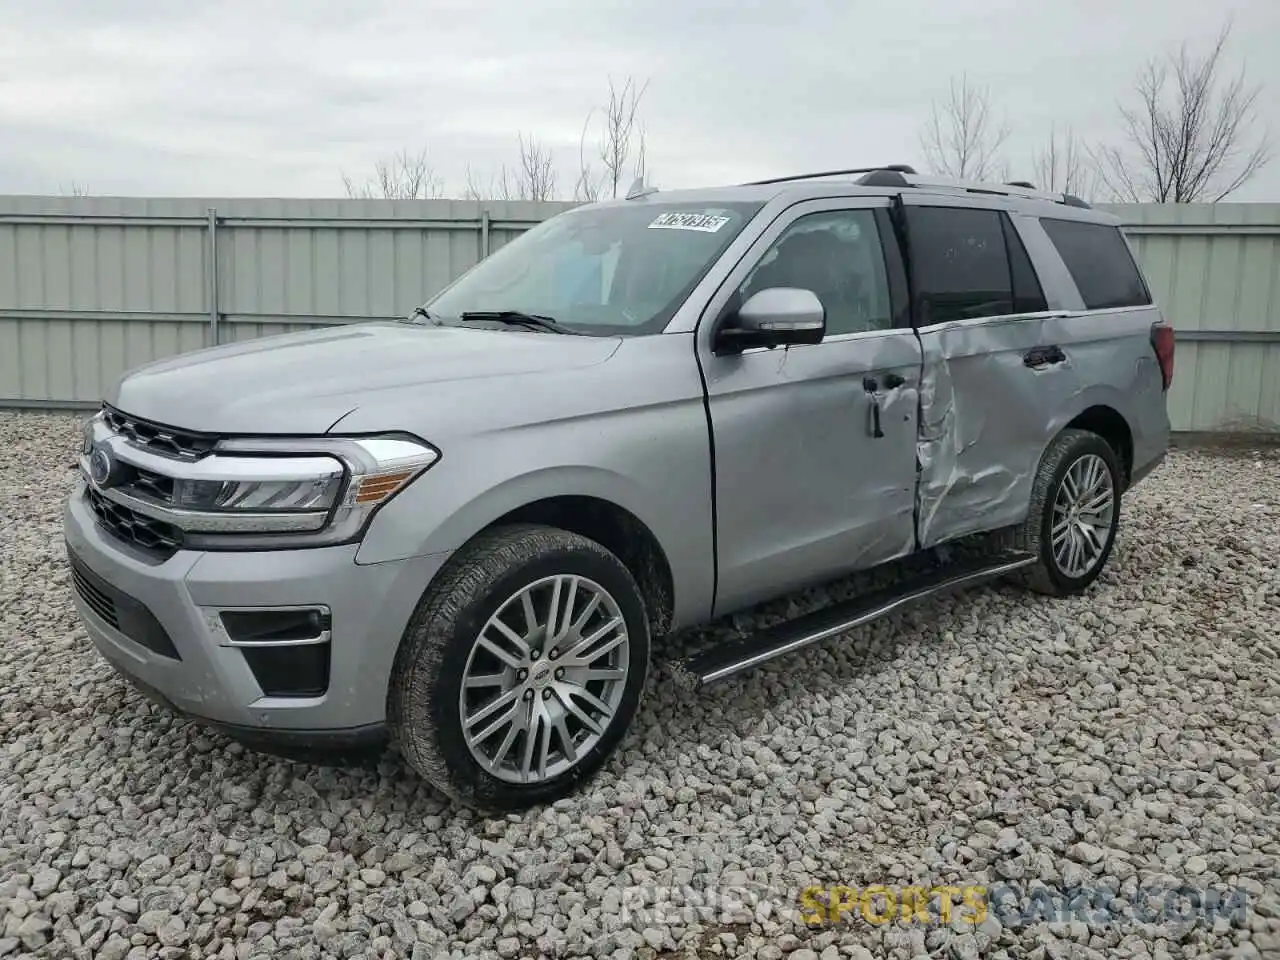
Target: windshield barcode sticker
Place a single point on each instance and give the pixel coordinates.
(702, 222)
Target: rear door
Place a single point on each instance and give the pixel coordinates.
(994, 376)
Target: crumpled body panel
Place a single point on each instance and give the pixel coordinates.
(987, 416)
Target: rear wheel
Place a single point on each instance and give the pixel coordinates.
(521, 669)
(1075, 513)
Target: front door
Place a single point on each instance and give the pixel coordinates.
(810, 483)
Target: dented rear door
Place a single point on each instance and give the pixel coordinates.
(994, 374)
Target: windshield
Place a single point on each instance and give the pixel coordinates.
(611, 270)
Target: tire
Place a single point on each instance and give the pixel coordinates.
(442, 645)
(1052, 575)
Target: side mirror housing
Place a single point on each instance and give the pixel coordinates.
(773, 317)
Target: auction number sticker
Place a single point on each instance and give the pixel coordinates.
(702, 222)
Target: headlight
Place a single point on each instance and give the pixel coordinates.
(303, 492)
(256, 493)
(263, 484)
(88, 430)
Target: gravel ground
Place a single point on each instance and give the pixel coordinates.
(1125, 740)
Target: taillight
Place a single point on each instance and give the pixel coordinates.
(1162, 341)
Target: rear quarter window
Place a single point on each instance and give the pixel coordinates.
(1099, 262)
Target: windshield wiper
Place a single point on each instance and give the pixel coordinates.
(423, 313)
(517, 317)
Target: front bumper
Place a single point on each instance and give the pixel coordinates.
(201, 674)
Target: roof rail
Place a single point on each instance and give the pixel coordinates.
(898, 168)
(902, 175)
(1019, 188)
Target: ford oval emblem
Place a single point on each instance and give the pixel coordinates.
(100, 464)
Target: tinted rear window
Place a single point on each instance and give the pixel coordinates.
(1099, 262)
(961, 268)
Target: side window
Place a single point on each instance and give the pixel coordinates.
(1028, 295)
(959, 262)
(838, 256)
(1100, 263)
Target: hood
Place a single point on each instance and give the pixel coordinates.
(306, 382)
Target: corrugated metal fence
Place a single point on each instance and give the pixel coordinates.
(90, 287)
(1215, 270)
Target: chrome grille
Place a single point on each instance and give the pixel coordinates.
(158, 439)
(132, 527)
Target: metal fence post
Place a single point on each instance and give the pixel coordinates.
(484, 233)
(213, 277)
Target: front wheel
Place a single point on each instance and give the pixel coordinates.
(1075, 513)
(521, 669)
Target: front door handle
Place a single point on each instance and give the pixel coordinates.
(870, 385)
(1038, 357)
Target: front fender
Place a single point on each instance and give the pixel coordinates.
(461, 496)
(406, 528)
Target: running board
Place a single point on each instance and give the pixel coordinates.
(737, 656)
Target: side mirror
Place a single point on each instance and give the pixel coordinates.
(774, 317)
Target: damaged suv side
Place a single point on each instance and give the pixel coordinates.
(465, 531)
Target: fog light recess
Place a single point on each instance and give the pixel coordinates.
(286, 648)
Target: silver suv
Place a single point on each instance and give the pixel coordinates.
(465, 531)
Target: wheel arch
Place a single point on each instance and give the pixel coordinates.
(620, 532)
(1102, 410)
(1108, 423)
(671, 558)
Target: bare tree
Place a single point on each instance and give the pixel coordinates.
(962, 138)
(587, 187)
(620, 132)
(537, 175)
(1192, 135)
(473, 190)
(75, 190)
(621, 145)
(405, 176)
(534, 178)
(1063, 165)
(504, 185)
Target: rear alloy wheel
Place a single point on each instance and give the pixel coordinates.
(1083, 515)
(1075, 513)
(521, 669)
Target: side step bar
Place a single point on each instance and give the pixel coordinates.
(737, 656)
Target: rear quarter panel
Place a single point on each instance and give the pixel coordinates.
(1110, 350)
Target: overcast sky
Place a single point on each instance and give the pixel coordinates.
(279, 97)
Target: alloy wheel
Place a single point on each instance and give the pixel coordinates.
(1083, 513)
(544, 679)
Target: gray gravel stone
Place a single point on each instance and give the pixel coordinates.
(44, 882)
(1121, 737)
